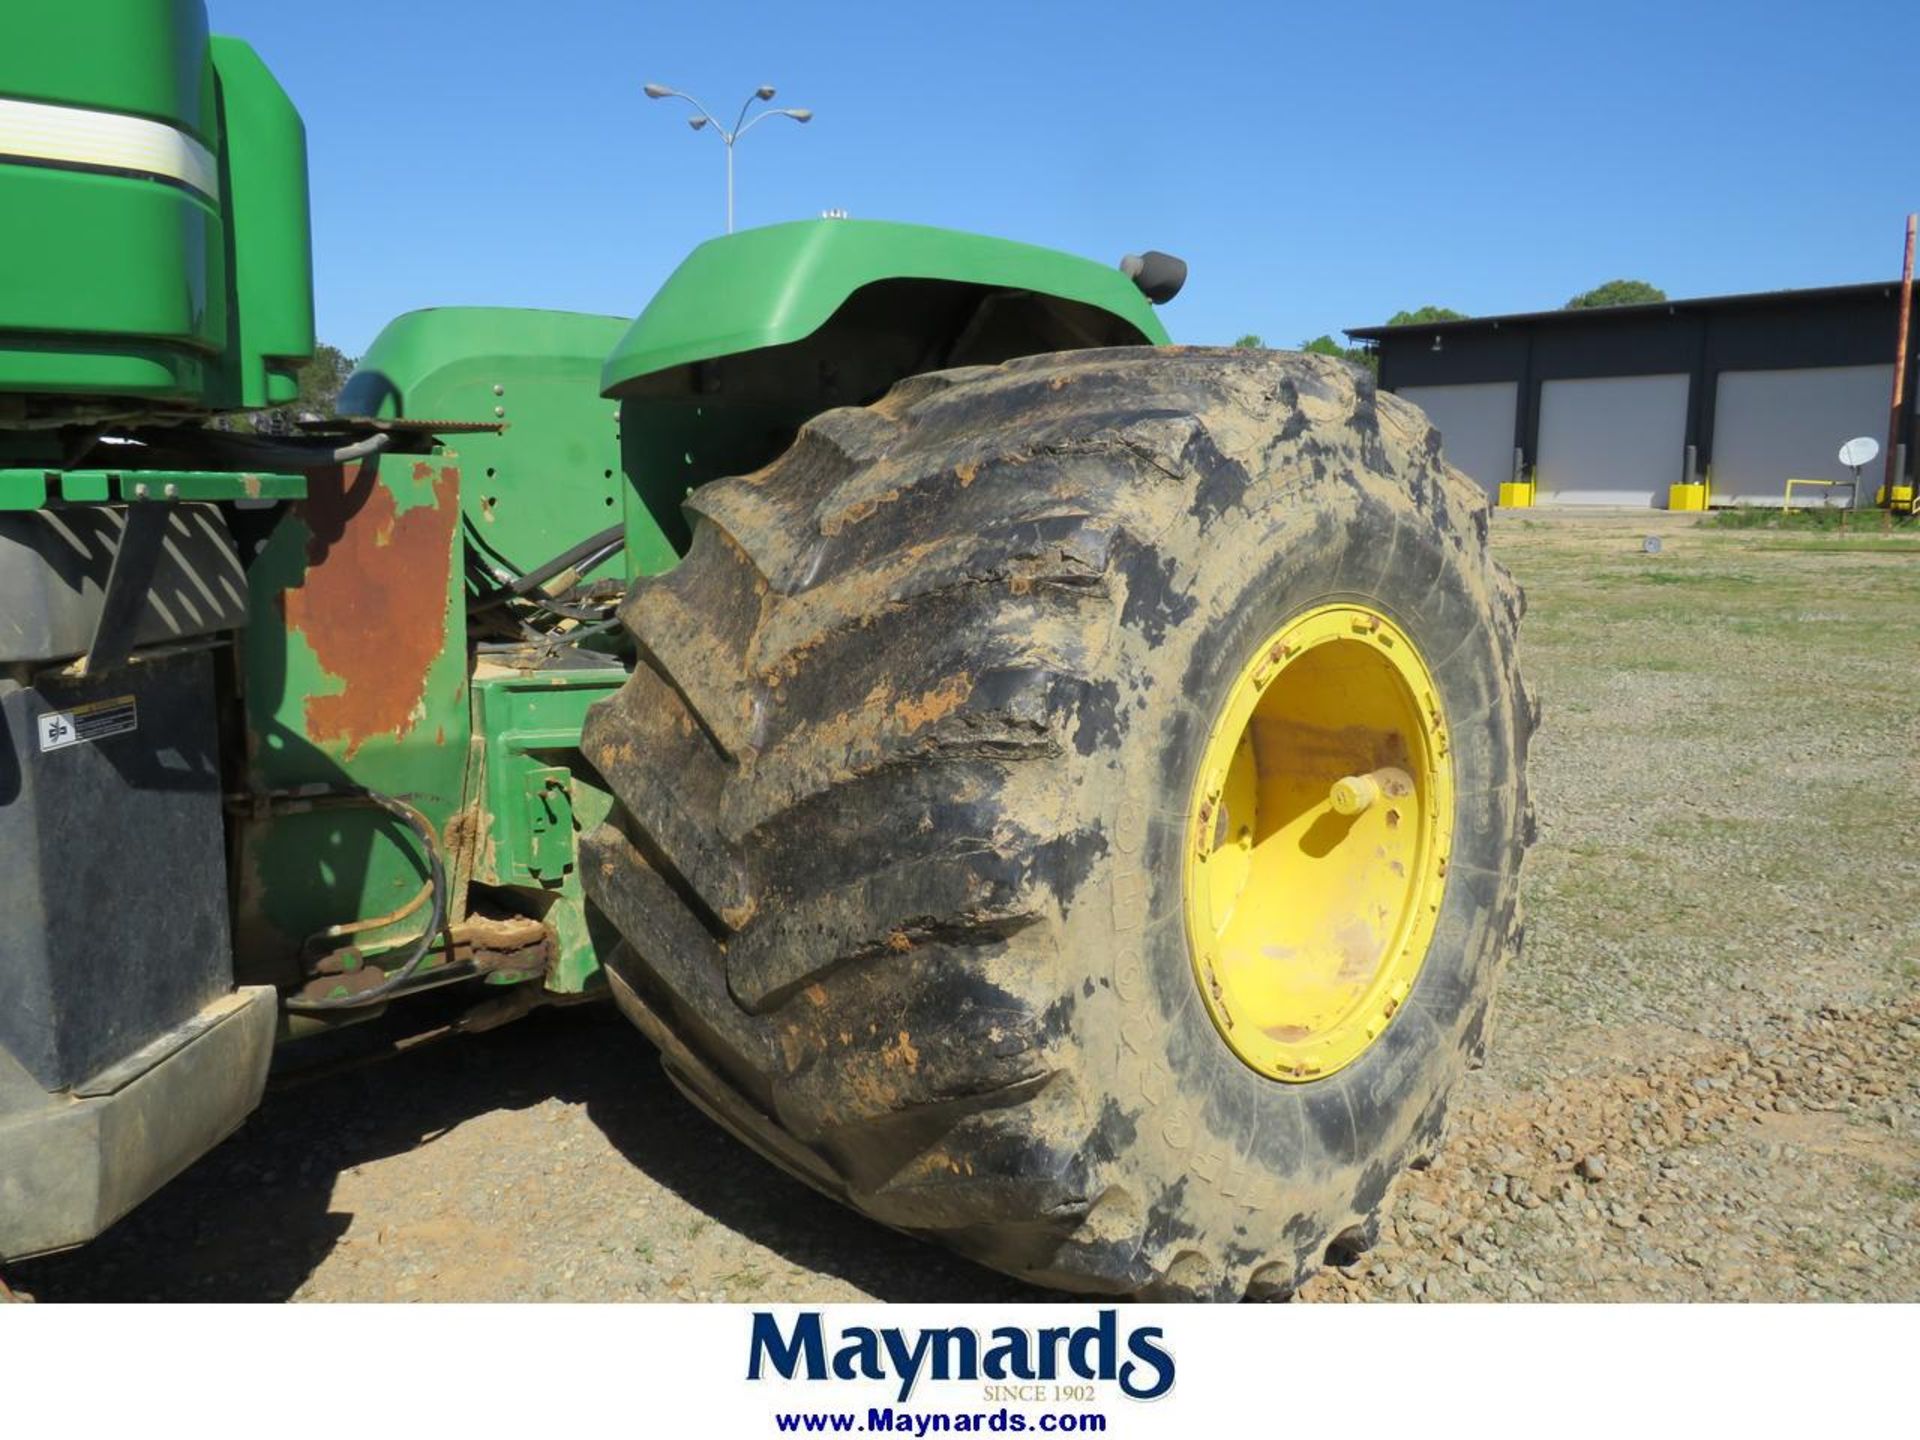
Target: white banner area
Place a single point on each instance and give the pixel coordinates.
(1085, 1369)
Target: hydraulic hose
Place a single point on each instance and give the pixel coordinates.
(588, 553)
(282, 456)
(529, 587)
(314, 797)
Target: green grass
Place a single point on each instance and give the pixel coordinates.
(1718, 579)
(1835, 518)
(1720, 773)
(1838, 545)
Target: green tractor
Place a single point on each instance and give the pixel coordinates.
(1057, 792)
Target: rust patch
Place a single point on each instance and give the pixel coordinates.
(373, 603)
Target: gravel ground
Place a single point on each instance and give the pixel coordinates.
(1705, 1084)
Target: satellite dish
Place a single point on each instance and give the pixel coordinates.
(1859, 451)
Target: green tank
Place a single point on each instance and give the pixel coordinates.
(156, 183)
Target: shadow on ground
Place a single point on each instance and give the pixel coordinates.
(253, 1220)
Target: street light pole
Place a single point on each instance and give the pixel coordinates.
(727, 137)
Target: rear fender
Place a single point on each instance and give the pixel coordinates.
(756, 333)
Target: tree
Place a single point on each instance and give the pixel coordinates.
(1427, 315)
(1249, 341)
(1618, 292)
(1353, 354)
(320, 380)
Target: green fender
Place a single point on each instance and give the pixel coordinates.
(762, 288)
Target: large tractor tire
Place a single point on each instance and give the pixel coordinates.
(1073, 810)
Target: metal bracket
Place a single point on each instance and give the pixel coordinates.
(549, 794)
(128, 583)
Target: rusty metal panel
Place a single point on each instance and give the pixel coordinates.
(354, 672)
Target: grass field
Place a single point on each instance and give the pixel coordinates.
(1726, 775)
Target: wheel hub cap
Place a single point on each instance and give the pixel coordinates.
(1317, 842)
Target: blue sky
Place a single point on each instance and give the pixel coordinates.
(1318, 165)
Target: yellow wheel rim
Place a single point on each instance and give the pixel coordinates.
(1317, 840)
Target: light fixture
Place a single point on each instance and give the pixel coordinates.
(741, 124)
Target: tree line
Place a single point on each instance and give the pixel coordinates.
(1613, 292)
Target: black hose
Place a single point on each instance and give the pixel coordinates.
(583, 556)
(318, 796)
(535, 640)
(540, 600)
(294, 457)
(599, 547)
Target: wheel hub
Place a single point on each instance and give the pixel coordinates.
(1318, 835)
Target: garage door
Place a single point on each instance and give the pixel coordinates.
(1769, 425)
(1618, 441)
(1476, 427)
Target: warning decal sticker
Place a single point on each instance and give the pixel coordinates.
(86, 723)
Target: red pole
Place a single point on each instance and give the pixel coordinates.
(1894, 416)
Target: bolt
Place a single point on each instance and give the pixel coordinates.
(499, 389)
(499, 410)
(1352, 794)
(172, 491)
(140, 491)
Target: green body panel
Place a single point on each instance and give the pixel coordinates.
(539, 794)
(552, 475)
(354, 670)
(263, 165)
(127, 286)
(139, 57)
(51, 365)
(114, 267)
(767, 287)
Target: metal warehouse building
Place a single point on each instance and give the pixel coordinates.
(1679, 404)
